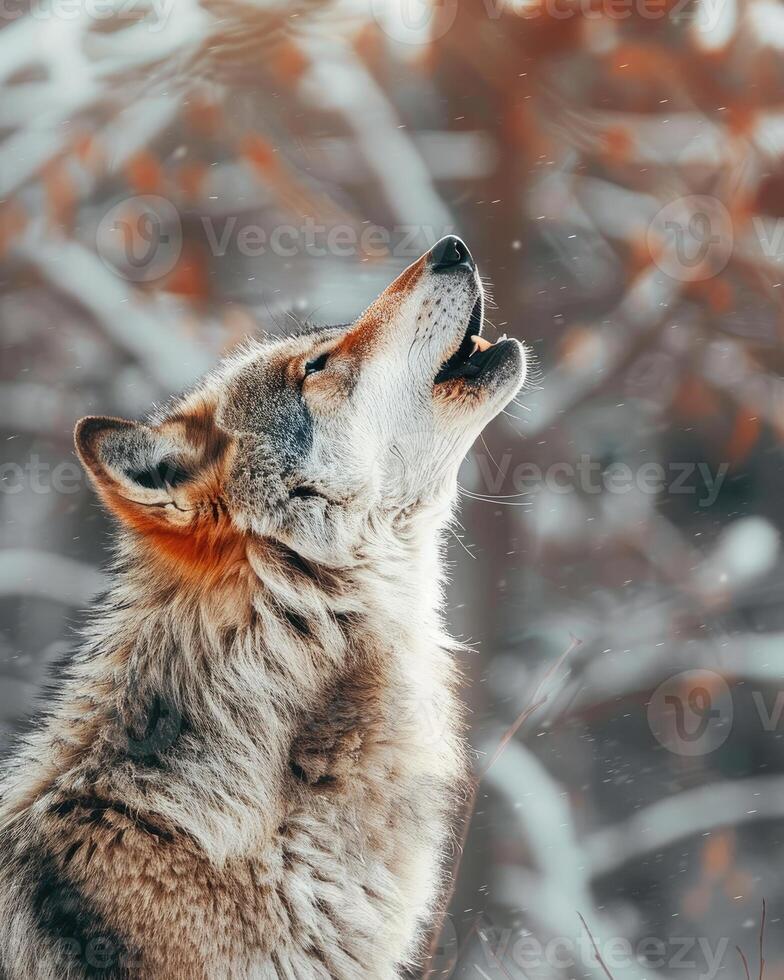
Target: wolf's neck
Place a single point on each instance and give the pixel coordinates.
(390, 581)
(279, 615)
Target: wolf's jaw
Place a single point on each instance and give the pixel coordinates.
(467, 347)
(475, 357)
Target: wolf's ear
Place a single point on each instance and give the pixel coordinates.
(134, 467)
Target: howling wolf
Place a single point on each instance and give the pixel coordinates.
(252, 765)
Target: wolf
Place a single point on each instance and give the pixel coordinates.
(251, 766)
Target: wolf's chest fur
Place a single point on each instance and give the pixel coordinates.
(277, 808)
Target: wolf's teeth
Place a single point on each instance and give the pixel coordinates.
(480, 344)
(502, 337)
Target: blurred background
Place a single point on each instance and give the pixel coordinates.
(177, 175)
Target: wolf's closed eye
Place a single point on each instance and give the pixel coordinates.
(317, 364)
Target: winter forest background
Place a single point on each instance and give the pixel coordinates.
(176, 175)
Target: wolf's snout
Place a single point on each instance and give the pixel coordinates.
(450, 254)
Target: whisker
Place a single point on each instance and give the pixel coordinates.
(484, 443)
(495, 496)
(465, 549)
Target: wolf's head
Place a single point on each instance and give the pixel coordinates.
(312, 440)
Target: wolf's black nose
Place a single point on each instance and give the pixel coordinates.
(450, 253)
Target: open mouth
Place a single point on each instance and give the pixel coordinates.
(475, 356)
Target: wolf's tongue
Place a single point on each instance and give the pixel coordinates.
(481, 344)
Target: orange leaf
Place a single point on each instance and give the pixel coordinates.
(203, 115)
(144, 173)
(694, 399)
(190, 276)
(13, 220)
(60, 194)
(288, 62)
(617, 144)
(190, 177)
(259, 152)
(744, 437)
(717, 855)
